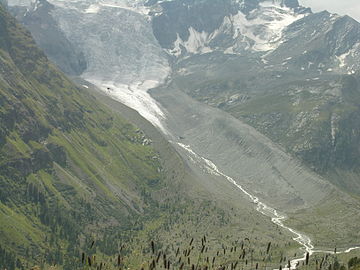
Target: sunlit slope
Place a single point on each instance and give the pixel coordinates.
(66, 162)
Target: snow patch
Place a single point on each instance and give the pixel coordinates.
(93, 9)
(264, 26)
(261, 31)
(342, 59)
(348, 60)
(177, 49)
(197, 43)
(334, 127)
(135, 6)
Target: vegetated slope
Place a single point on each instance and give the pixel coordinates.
(73, 172)
(67, 164)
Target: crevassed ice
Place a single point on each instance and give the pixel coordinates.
(123, 57)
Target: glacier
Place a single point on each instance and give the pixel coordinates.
(124, 59)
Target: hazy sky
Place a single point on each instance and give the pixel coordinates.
(342, 7)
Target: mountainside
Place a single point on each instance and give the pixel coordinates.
(260, 98)
(73, 171)
(288, 72)
(197, 27)
(67, 164)
(51, 39)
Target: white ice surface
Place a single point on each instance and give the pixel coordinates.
(197, 43)
(123, 57)
(136, 96)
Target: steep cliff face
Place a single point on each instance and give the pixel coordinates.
(185, 18)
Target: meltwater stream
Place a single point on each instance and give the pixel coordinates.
(261, 207)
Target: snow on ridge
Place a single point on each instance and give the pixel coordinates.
(261, 31)
(197, 41)
(23, 3)
(346, 60)
(265, 25)
(271, 3)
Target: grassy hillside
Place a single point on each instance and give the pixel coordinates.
(67, 166)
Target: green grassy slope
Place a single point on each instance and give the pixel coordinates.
(67, 165)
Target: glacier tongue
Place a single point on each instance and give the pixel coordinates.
(123, 57)
(136, 96)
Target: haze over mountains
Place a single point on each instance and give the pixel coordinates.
(262, 92)
(347, 7)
